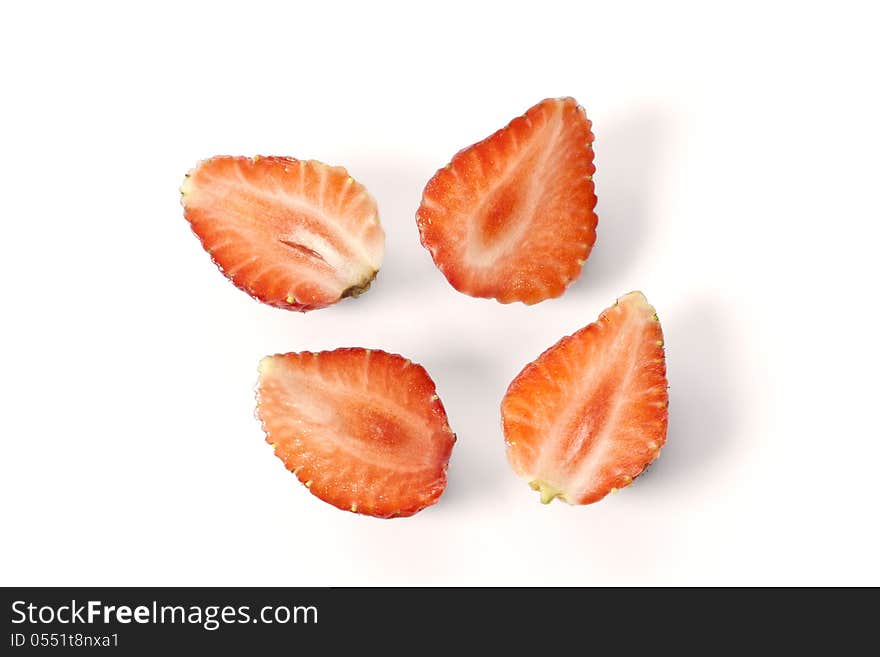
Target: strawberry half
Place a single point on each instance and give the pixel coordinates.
(590, 414)
(511, 217)
(364, 430)
(294, 234)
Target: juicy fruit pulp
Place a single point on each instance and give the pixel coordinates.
(511, 217)
(589, 415)
(364, 430)
(294, 234)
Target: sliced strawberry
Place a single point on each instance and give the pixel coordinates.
(364, 430)
(588, 416)
(294, 234)
(511, 217)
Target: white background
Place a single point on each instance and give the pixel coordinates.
(737, 156)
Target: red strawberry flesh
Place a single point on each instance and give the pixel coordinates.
(590, 413)
(363, 429)
(512, 217)
(294, 234)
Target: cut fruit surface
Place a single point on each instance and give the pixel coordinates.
(590, 413)
(512, 217)
(294, 234)
(364, 430)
